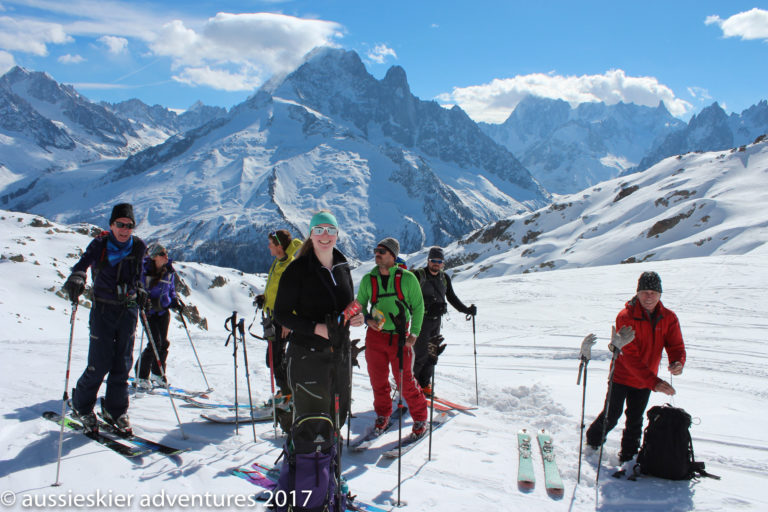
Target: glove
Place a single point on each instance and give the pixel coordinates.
(75, 285)
(177, 305)
(618, 339)
(586, 346)
(259, 301)
(356, 352)
(142, 298)
(472, 310)
(435, 347)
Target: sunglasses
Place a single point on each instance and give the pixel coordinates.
(319, 230)
(437, 262)
(274, 235)
(123, 225)
(380, 250)
(161, 254)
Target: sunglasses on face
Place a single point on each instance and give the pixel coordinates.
(123, 225)
(379, 250)
(164, 254)
(319, 230)
(277, 238)
(437, 262)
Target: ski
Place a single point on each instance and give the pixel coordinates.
(176, 392)
(552, 480)
(453, 405)
(410, 442)
(266, 477)
(364, 442)
(526, 479)
(125, 450)
(259, 415)
(140, 441)
(208, 405)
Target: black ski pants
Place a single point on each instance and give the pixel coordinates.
(110, 351)
(277, 347)
(158, 326)
(422, 369)
(636, 400)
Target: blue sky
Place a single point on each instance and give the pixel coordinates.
(483, 55)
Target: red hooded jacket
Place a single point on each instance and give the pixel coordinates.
(638, 365)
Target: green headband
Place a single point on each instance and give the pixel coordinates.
(323, 218)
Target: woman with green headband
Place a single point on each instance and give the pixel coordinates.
(312, 300)
(315, 285)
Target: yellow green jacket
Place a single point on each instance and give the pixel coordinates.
(275, 272)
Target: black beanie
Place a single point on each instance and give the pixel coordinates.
(122, 210)
(435, 253)
(649, 281)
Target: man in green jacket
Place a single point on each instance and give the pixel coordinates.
(283, 247)
(385, 286)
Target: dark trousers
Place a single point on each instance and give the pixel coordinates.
(314, 377)
(158, 326)
(110, 351)
(422, 369)
(636, 400)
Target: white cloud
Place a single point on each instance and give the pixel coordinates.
(259, 44)
(699, 93)
(494, 101)
(245, 80)
(70, 59)
(752, 24)
(6, 61)
(30, 36)
(380, 53)
(115, 45)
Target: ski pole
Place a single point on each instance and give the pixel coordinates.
(189, 337)
(399, 323)
(605, 418)
(431, 415)
(241, 328)
(145, 324)
(233, 333)
(474, 345)
(65, 397)
(270, 356)
(585, 356)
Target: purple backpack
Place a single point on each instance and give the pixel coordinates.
(308, 477)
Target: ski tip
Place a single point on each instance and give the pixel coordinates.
(526, 486)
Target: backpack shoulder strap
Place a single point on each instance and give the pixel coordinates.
(374, 289)
(398, 284)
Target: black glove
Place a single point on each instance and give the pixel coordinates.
(338, 333)
(356, 352)
(142, 297)
(259, 302)
(472, 310)
(177, 305)
(435, 347)
(75, 285)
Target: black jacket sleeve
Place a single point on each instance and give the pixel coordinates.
(452, 298)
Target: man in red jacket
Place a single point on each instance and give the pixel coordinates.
(635, 374)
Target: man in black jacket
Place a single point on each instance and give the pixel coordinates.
(436, 288)
(115, 258)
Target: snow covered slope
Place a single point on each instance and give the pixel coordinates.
(698, 204)
(529, 329)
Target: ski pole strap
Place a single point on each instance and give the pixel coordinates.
(231, 321)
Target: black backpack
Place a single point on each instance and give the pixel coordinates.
(667, 450)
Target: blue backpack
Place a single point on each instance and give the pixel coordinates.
(308, 477)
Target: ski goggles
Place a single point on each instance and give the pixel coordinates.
(436, 262)
(319, 230)
(123, 225)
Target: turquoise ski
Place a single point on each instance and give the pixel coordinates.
(552, 480)
(526, 479)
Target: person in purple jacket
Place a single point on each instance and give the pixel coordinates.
(115, 259)
(159, 277)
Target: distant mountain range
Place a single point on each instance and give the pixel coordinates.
(328, 135)
(212, 183)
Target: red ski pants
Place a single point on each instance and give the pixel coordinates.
(380, 355)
